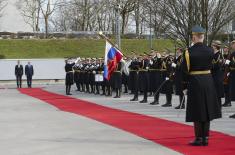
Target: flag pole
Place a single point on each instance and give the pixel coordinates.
(107, 39)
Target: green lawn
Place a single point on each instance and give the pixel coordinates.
(72, 48)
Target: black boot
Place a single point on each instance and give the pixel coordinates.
(232, 116)
(126, 89)
(156, 100)
(135, 97)
(168, 101)
(69, 88)
(227, 104)
(182, 103)
(205, 133)
(201, 130)
(66, 89)
(145, 99)
(117, 93)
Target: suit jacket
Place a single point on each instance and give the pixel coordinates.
(19, 71)
(29, 70)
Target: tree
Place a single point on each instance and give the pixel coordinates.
(181, 15)
(30, 10)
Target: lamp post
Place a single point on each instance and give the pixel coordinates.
(150, 27)
(118, 32)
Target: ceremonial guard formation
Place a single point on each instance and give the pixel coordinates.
(155, 73)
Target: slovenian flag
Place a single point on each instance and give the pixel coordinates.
(112, 57)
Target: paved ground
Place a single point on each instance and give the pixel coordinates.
(29, 126)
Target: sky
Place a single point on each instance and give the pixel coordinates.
(12, 21)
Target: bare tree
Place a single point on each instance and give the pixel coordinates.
(47, 8)
(30, 10)
(181, 15)
(3, 4)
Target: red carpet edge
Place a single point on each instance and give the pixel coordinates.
(169, 134)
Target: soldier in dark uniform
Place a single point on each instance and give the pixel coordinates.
(117, 80)
(232, 75)
(155, 76)
(167, 74)
(133, 77)
(98, 81)
(103, 87)
(76, 74)
(178, 78)
(92, 75)
(143, 78)
(216, 71)
(69, 76)
(19, 71)
(132, 74)
(202, 101)
(226, 56)
(82, 74)
(86, 75)
(125, 79)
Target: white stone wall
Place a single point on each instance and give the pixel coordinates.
(43, 68)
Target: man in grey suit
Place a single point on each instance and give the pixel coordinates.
(29, 74)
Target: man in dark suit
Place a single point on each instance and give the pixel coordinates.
(19, 73)
(29, 74)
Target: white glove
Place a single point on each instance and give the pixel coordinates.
(167, 78)
(147, 68)
(94, 72)
(185, 91)
(227, 62)
(150, 62)
(102, 72)
(228, 74)
(173, 65)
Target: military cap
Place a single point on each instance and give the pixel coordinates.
(233, 42)
(198, 30)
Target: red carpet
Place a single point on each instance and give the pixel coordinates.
(167, 133)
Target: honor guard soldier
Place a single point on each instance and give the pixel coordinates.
(155, 76)
(132, 74)
(143, 79)
(92, 72)
(226, 70)
(87, 74)
(76, 76)
(133, 77)
(69, 75)
(202, 101)
(231, 64)
(167, 75)
(99, 76)
(125, 77)
(216, 71)
(178, 78)
(117, 80)
(82, 75)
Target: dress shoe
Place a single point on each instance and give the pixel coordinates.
(180, 107)
(154, 103)
(227, 104)
(167, 105)
(144, 101)
(199, 142)
(134, 99)
(232, 116)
